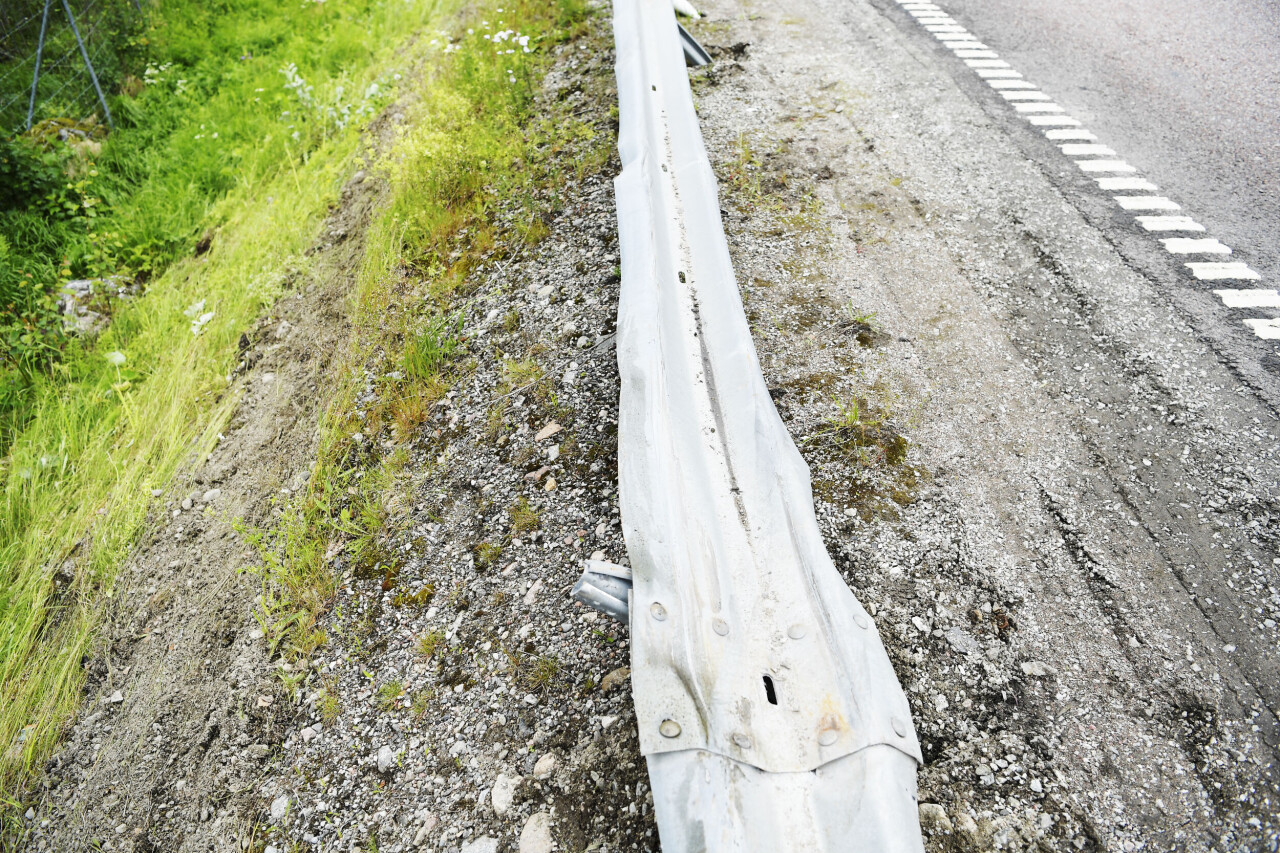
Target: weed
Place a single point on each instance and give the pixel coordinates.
(859, 433)
(428, 642)
(428, 350)
(511, 320)
(389, 694)
(329, 705)
(420, 598)
(543, 674)
(487, 555)
(421, 703)
(523, 517)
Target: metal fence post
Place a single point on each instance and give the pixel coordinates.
(35, 77)
(88, 64)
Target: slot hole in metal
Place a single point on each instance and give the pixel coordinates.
(769, 692)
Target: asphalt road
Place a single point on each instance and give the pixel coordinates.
(1186, 92)
(1098, 428)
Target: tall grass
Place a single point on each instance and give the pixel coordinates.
(473, 140)
(119, 416)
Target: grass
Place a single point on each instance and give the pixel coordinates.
(121, 415)
(471, 140)
(524, 517)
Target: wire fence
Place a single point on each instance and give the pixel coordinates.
(62, 59)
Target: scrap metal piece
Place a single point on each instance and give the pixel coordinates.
(758, 678)
(604, 587)
(695, 55)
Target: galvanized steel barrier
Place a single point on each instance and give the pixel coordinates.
(769, 715)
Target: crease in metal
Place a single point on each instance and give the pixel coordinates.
(768, 712)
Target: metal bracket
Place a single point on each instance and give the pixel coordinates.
(605, 587)
(695, 56)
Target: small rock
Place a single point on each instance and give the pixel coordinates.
(503, 793)
(547, 431)
(551, 485)
(386, 759)
(428, 823)
(921, 625)
(613, 679)
(536, 835)
(607, 722)
(532, 594)
(211, 495)
(308, 734)
(155, 493)
(1037, 669)
(967, 828)
(483, 844)
(535, 476)
(1036, 786)
(30, 815)
(933, 819)
(187, 504)
(282, 331)
(545, 767)
(279, 808)
(265, 701)
(116, 698)
(553, 453)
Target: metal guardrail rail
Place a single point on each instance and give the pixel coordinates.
(769, 714)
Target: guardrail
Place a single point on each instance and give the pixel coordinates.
(769, 714)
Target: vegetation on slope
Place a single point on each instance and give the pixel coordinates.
(207, 194)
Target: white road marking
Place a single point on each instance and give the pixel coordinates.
(1118, 184)
(1249, 298)
(1047, 121)
(1077, 149)
(1146, 202)
(1169, 223)
(1037, 108)
(1195, 246)
(1268, 330)
(1220, 271)
(1104, 166)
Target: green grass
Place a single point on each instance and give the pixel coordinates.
(115, 417)
(471, 140)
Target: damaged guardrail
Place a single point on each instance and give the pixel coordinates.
(769, 715)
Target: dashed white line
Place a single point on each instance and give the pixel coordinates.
(1249, 298)
(1146, 202)
(1268, 330)
(1037, 108)
(1169, 223)
(1195, 246)
(1077, 149)
(1068, 133)
(1125, 184)
(1222, 271)
(1104, 166)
